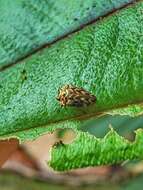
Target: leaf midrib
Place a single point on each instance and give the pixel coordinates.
(77, 118)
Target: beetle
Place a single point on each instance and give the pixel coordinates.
(70, 95)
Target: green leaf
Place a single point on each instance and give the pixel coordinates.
(26, 26)
(132, 110)
(104, 58)
(34, 133)
(87, 150)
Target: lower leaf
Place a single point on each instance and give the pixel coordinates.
(87, 150)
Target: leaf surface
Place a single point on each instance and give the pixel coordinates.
(87, 150)
(105, 58)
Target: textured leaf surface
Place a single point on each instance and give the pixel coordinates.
(105, 58)
(27, 25)
(87, 150)
(133, 110)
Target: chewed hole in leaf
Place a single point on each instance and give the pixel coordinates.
(123, 125)
(130, 136)
(66, 136)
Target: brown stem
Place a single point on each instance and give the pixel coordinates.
(7, 147)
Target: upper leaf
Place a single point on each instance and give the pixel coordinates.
(105, 58)
(26, 26)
